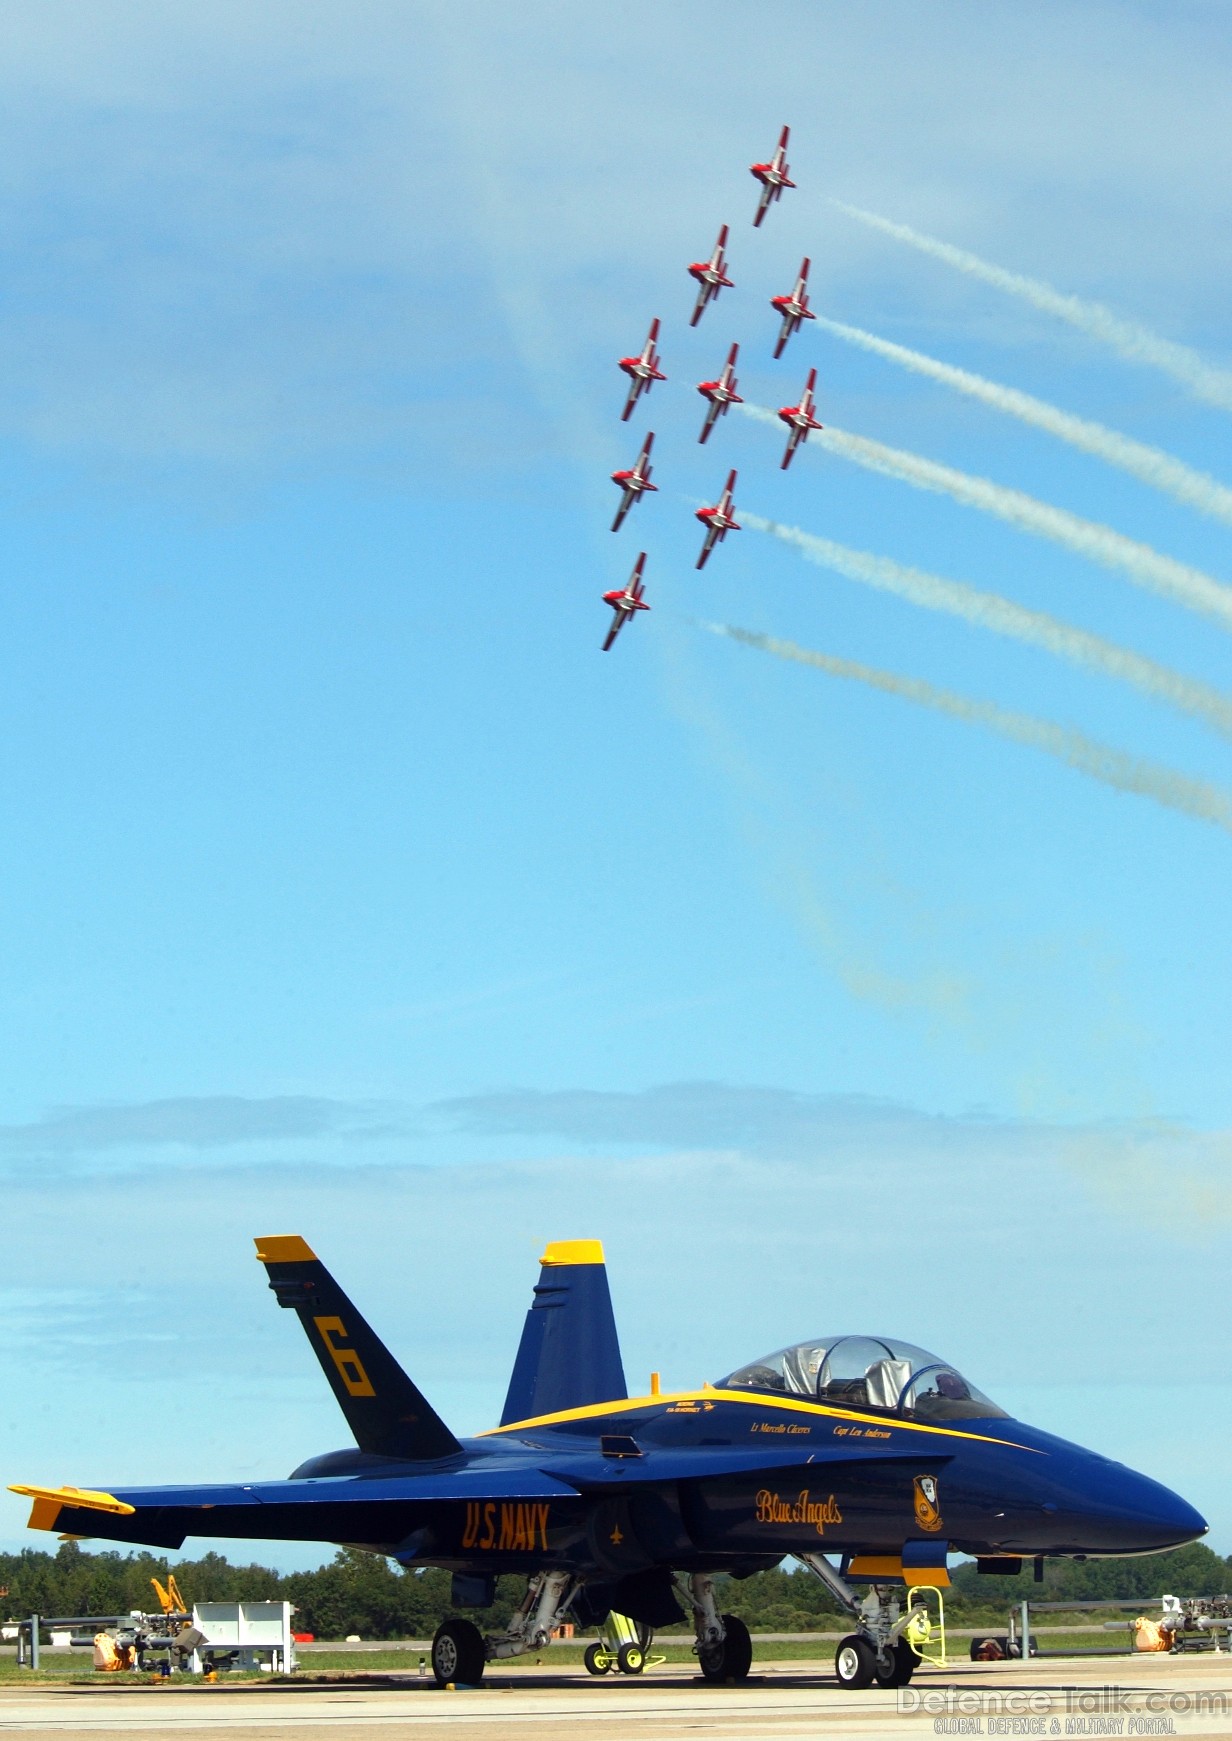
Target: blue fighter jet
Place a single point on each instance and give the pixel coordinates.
(864, 1457)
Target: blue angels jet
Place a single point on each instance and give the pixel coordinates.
(864, 1457)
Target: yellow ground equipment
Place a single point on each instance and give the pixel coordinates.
(923, 1633)
(624, 1645)
(169, 1598)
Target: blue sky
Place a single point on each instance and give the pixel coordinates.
(348, 890)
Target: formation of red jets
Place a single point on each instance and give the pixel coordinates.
(643, 370)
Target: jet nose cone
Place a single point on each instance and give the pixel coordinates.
(1145, 1517)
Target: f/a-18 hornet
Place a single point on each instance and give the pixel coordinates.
(864, 1457)
(634, 482)
(719, 520)
(794, 307)
(720, 393)
(627, 600)
(773, 178)
(711, 277)
(643, 370)
(799, 419)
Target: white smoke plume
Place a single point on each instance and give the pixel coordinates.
(1144, 565)
(1162, 471)
(989, 610)
(1138, 343)
(1113, 767)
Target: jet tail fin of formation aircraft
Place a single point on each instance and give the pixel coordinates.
(386, 1412)
(569, 1355)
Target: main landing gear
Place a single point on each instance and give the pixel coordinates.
(878, 1654)
(460, 1652)
(723, 1646)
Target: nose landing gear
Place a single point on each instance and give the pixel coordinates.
(878, 1654)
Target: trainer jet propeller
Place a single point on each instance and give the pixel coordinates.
(864, 1457)
(773, 178)
(711, 276)
(720, 393)
(794, 307)
(643, 370)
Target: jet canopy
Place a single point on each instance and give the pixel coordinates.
(867, 1372)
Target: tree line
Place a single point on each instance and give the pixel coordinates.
(363, 1593)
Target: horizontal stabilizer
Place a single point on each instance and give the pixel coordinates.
(386, 1412)
(371, 1509)
(569, 1355)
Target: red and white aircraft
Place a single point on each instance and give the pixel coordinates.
(711, 276)
(799, 419)
(719, 520)
(721, 393)
(794, 307)
(642, 370)
(633, 482)
(773, 178)
(626, 601)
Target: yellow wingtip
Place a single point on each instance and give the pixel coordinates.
(283, 1248)
(571, 1251)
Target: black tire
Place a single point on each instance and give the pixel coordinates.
(630, 1659)
(902, 1665)
(458, 1654)
(737, 1649)
(855, 1662)
(732, 1659)
(597, 1660)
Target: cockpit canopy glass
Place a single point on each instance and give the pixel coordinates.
(867, 1372)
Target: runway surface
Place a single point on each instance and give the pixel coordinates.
(1187, 1695)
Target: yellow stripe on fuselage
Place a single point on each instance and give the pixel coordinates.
(751, 1399)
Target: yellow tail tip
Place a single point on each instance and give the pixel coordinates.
(283, 1248)
(565, 1251)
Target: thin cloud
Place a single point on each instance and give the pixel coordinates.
(701, 1115)
(192, 1122)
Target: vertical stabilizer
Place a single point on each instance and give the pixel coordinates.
(569, 1355)
(389, 1416)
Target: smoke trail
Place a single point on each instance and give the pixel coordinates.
(989, 610)
(1158, 469)
(1111, 766)
(1136, 342)
(1162, 574)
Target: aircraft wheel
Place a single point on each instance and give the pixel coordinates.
(731, 1660)
(737, 1648)
(631, 1659)
(597, 1660)
(458, 1653)
(902, 1664)
(855, 1662)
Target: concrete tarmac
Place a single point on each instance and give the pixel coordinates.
(1165, 1695)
